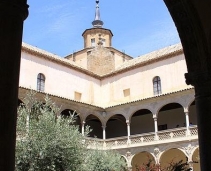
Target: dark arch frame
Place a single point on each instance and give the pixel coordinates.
(194, 30)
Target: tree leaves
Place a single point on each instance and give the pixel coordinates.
(46, 142)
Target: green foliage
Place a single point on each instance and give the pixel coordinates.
(105, 161)
(46, 142)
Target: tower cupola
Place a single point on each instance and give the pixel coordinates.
(97, 35)
(97, 21)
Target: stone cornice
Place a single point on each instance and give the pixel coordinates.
(155, 98)
(64, 98)
(95, 29)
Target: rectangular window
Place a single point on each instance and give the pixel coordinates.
(78, 96)
(92, 42)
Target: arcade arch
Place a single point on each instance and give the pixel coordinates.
(192, 23)
(70, 112)
(141, 122)
(116, 126)
(141, 159)
(171, 116)
(172, 155)
(95, 126)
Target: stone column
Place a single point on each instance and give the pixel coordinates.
(128, 131)
(156, 126)
(202, 84)
(191, 165)
(82, 127)
(104, 132)
(12, 15)
(187, 122)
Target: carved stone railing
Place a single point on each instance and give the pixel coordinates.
(177, 134)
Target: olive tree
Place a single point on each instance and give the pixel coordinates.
(46, 142)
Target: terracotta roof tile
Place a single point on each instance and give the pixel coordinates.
(151, 56)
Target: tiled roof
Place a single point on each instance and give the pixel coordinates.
(147, 98)
(120, 104)
(53, 95)
(167, 51)
(51, 56)
(144, 59)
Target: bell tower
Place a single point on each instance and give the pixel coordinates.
(97, 34)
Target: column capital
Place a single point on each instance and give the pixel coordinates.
(201, 81)
(14, 8)
(155, 117)
(104, 126)
(127, 121)
(186, 110)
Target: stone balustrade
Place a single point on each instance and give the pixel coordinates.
(166, 136)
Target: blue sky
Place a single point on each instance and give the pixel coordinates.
(139, 26)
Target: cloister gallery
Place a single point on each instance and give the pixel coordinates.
(140, 107)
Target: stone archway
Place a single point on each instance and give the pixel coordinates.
(171, 116)
(173, 155)
(76, 117)
(141, 159)
(139, 120)
(95, 126)
(115, 121)
(193, 26)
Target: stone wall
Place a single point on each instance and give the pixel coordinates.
(100, 61)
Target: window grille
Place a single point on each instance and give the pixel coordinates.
(40, 82)
(157, 86)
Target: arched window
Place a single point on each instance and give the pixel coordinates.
(40, 82)
(157, 85)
